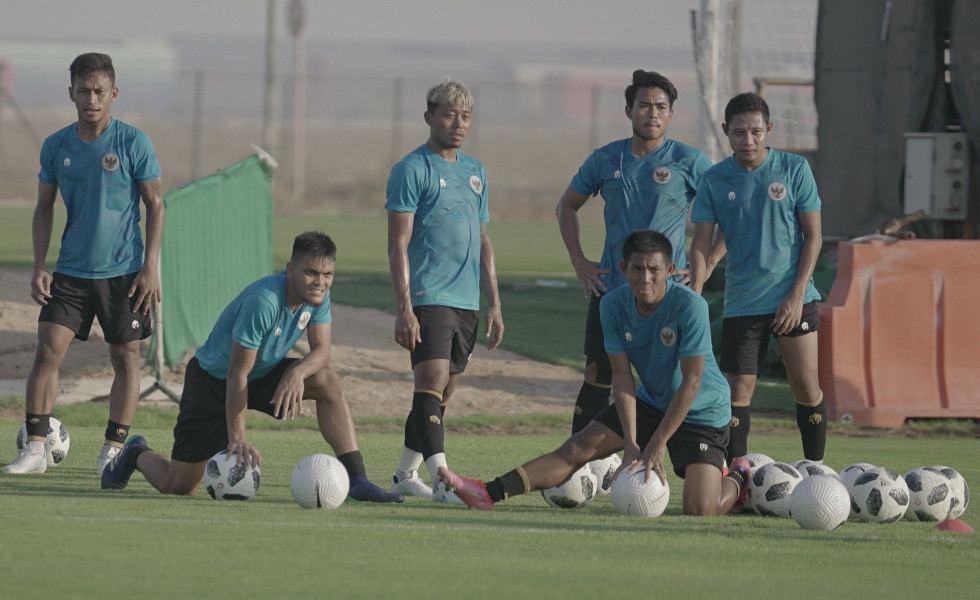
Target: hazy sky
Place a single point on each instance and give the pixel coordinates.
(601, 22)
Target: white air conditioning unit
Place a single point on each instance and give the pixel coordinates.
(937, 174)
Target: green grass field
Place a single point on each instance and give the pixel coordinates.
(64, 537)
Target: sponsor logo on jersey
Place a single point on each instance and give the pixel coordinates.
(667, 336)
(67, 162)
(110, 162)
(442, 182)
(617, 174)
(476, 184)
(628, 336)
(277, 332)
(777, 191)
(661, 175)
(304, 319)
(731, 196)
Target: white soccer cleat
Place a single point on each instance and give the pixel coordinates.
(105, 457)
(441, 494)
(411, 486)
(27, 462)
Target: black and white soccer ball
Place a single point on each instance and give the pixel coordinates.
(225, 479)
(319, 481)
(579, 491)
(820, 502)
(930, 495)
(771, 489)
(604, 469)
(633, 495)
(847, 476)
(809, 467)
(959, 487)
(757, 459)
(879, 495)
(56, 444)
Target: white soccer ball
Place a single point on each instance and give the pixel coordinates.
(961, 491)
(820, 502)
(756, 460)
(580, 490)
(632, 495)
(771, 489)
(319, 481)
(55, 446)
(809, 467)
(225, 479)
(879, 495)
(604, 469)
(930, 495)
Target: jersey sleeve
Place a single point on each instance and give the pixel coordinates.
(609, 317)
(322, 314)
(404, 188)
(256, 316)
(703, 210)
(484, 198)
(587, 180)
(47, 172)
(145, 164)
(807, 199)
(695, 328)
(701, 164)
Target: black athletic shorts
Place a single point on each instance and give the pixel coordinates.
(75, 302)
(690, 443)
(446, 332)
(745, 340)
(202, 429)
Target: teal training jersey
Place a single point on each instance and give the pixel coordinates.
(678, 328)
(259, 319)
(100, 184)
(757, 213)
(653, 192)
(449, 201)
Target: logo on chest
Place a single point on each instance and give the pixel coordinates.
(110, 162)
(667, 336)
(304, 319)
(476, 184)
(777, 191)
(661, 175)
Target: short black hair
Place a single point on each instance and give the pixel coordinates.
(315, 244)
(748, 102)
(646, 241)
(650, 79)
(92, 62)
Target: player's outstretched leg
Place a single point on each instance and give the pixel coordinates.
(471, 491)
(116, 474)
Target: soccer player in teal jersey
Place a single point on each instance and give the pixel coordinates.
(766, 206)
(647, 181)
(440, 254)
(103, 168)
(681, 406)
(243, 365)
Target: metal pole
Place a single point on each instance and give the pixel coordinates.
(299, 103)
(196, 125)
(270, 75)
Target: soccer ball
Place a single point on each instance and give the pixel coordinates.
(631, 495)
(319, 481)
(930, 495)
(604, 469)
(808, 468)
(820, 502)
(961, 491)
(879, 495)
(772, 488)
(225, 479)
(578, 491)
(851, 472)
(756, 460)
(55, 446)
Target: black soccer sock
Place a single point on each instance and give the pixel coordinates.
(354, 463)
(116, 433)
(812, 422)
(37, 425)
(426, 422)
(590, 401)
(512, 483)
(736, 476)
(738, 428)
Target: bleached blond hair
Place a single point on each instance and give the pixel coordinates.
(451, 93)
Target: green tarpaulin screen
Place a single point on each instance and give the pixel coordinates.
(217, 240)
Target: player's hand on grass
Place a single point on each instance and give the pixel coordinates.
(789, 315)
(407, 330)
(147, 285)
(41, 287)
(245, 454)
(288, 399)
(495, 326)
(588, 273)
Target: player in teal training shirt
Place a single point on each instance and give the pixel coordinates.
(440, 255)
(766, 206)
(103, 168)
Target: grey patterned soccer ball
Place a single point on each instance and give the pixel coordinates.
(580, 490)
(930, 495)
(225, 479)
(961, 491)
(771, 489)
(879, 495)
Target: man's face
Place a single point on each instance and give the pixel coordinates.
(448, 125)
(650, 113)
(92, 94)
(647, 276)
(748, 134)
(309, 278)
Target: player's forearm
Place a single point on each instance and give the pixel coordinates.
(236, 405)
(624, 397)
(699, 263)
(568, 225)
(807, 265)
(155, 216)
(488, 272)
(41, 229)
(398, 267)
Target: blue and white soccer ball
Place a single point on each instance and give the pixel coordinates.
(319, 481)
(879, 495)
(225, 479)
(633, 495)
(820, 502)
(771, 489)
(930, 495)
(959, 487)
(55, 446)
(604, 469)
(580, 490)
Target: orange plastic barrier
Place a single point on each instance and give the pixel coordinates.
(900, 332)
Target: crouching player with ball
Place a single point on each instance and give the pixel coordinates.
(680, 406)
(243, 365)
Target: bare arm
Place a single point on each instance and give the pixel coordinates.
(41, 228)
(700, 252)
(236, 403)
(692, 368)
(147, 283)
(790, 311)
(624, 397)
(400, 226)
(587, 271)
(288, 399)
(488, 281)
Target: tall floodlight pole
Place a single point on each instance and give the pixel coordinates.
(268, 107)
(296, 10)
